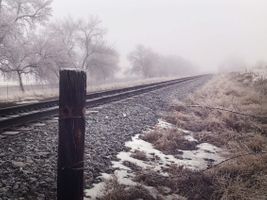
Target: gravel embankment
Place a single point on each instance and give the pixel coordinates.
(28, 159)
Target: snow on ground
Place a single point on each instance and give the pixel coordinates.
(193, 159)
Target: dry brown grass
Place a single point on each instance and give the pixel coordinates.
(152, 178)
(132, 166)
(244, 137)
(116, 191)
(241, 178)
(169, 141)
(244, 177)
(188, 183)
(230, 92)
(140, 155)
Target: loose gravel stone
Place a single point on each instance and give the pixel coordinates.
(29, 159)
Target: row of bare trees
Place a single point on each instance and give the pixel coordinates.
(148, 63)
(30, 44)
(76, 43)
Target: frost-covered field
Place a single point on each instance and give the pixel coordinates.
(12, 93)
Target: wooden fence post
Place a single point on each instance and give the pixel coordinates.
(72, 91)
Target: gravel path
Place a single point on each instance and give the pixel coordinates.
(28, 159)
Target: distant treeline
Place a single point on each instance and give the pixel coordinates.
(147, 63)
(30, 44)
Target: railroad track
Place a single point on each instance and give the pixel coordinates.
(14, 116)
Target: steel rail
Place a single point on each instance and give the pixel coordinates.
(22, 114)
(54, 102)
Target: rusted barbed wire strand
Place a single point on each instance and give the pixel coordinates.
(226, 110)
(235, 157)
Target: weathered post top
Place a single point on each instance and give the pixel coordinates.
(72, 91)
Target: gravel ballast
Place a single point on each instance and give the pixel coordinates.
(28, 159)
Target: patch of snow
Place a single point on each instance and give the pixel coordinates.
(193, 159)
(97, 188)
(190, 138)
(164, 124)
(197, 159)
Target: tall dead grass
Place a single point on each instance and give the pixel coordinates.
(242, 176)
(116, 191)
(241, 130)
(169, 141)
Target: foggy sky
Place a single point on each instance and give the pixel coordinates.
(207, 32)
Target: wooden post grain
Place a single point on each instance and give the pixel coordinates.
(72, 91)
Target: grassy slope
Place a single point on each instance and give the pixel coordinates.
(244, 175)
(243, 136)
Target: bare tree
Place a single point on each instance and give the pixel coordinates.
(18, 59)
(143, 61)
(51, 56)
(18, 15)
(147, 63)
(76, 43)
(62, 44)
(18, 19)
(90, 39)
(103, 64)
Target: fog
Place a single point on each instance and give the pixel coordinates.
(129, 39)
(209, 33)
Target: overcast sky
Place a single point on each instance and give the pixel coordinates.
(207, 32)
